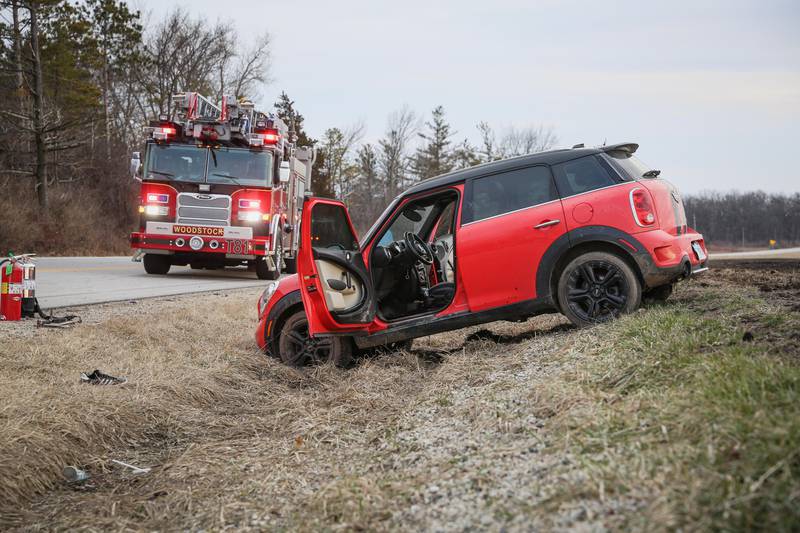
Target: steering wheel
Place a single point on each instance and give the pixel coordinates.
(419, 248)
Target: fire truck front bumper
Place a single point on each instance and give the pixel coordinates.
(226, 242)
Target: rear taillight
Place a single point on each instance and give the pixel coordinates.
(642, 206)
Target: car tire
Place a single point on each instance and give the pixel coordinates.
(597, 287)
(296, 348)
(659, 294)
(156, 264)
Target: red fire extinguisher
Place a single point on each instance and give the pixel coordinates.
(11, 289)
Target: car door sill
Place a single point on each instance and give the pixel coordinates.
(422, 326)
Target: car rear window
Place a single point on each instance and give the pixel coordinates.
(583, 175)
(510, 191)
(628, 164)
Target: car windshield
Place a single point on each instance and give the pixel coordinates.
(176, 163)
(628, 163)
(239, 166)
(411, 219)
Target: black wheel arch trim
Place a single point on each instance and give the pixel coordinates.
(626, 243)
(276, 314)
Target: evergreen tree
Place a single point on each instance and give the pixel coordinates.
(435, 157)
(321, 183)
(369, 187)
(465, 155)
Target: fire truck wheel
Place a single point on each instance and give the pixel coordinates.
(297, 348)
(290, 265)
(263, 271)
(156, 264)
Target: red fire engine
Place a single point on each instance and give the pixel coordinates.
(222, 185)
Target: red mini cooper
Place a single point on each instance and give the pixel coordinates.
(587, 232)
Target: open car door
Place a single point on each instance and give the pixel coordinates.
(336, 287)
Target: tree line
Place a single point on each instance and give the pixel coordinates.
(745, 219)
(80, 78)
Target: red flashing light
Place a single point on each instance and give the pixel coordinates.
(264, 137)
(164, 132)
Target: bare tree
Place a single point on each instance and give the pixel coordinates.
(338, 145)
(248, 69)
(516, 142)
(488, 150)
(38, 108)
(394, 158)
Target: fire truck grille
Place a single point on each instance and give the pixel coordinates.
(204, 209)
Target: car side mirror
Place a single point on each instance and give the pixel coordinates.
(284, 172)
(136, 164)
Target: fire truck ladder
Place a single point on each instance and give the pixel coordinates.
(196, 108)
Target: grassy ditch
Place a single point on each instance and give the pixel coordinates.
(683, 415)
(693, 404)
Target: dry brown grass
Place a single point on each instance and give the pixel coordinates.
(80, 221)
(516, 431)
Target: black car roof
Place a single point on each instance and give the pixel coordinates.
(551, 157)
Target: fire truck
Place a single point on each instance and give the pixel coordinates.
(221, 185)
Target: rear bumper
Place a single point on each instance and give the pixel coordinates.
(232, 248)
(669, 258)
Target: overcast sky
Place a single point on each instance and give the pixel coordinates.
(709, 89)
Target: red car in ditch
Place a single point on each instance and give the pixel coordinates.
(587, 232)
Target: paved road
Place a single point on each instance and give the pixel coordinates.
(782, 253)
(70, 281)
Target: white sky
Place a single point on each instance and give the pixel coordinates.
(709, 89)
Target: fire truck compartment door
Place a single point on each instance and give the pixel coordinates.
(334, 281)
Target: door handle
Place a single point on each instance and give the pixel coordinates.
(547, 224)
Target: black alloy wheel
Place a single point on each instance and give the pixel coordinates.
(597, 287)
(297, 348)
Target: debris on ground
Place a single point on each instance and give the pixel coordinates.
(134, 469)
(74, 474)
(98, 378)
(58, 321)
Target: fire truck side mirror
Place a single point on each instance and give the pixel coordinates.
(284, 172)
(136, 164)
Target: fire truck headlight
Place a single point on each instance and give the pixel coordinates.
(156, 210)
(250, 216)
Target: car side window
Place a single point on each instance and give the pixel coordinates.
(582, 175)
(510, 191)
(331, 229)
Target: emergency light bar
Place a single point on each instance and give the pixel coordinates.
(264, 137)
(162, 133)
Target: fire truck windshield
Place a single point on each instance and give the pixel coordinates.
(180, 162)
(176, 162)
(240, 166)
